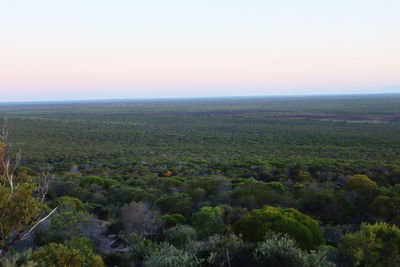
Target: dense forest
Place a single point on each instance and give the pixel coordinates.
(277, 181)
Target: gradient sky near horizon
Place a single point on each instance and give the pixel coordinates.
(67, 50)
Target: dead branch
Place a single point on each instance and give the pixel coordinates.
(39, 222)
(45, 178)
(10, 177)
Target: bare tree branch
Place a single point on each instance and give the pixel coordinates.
(12, 179)
(39, 222)
(45, 178)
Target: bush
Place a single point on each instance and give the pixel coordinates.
(301, 227)
(69, 220)
(175, 203)
(18, 206)
(364, 186)
(139, 218)
(281, 250)
(256, 194)
(23, 259)
(104, 182)
(278, 187)
(169, 256)
(180, 235)
(172, 220)
(374, 245)
(385, 207)
(226, 250)
(208, 221)
(68, 203)
(75, 252)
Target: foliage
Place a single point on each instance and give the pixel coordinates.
(20, 259)
(226, 250)
(76, 252)
(171, 158)
(301, 227)
(363, 185)
(180, 235)
(106, 183)
(169, 256)
(68, 221)
(140, 248)
(374, 245)
(386, 208)
(253, 193)
(175, 203)
(139, 218)
(68, 203)
(281, 250)
(172, 220)
(18, 211)
(19, 208)
(208, 221)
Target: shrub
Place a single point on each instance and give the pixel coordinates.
(255, 194)
(385, 207)
(374, 245)
(173, 219)
(67, 221)
(17, 258)
(104, 182)
(208, 186)
(139, 218)
(169, 256)
(180, 235)
(226, 250)
(301, 227)
(298, 190)
(278, 187)
(175, 203)
(281, 250)
(208, 221)
(67, 203)
(362, 185)
(75, 252)
(18, 206)
(140, 249)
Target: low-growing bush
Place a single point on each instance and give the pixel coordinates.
(302, 228)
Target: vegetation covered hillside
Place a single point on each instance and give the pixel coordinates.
(280, 181)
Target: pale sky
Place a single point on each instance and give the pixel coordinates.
(56, 50)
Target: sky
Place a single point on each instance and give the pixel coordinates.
(70, 50)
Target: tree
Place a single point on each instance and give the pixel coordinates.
(385, 207)
(256, 194)
(180, 235)
(282, 250)
(19, 208)
(374, 245)
(208, 221)
(139, 218)
(69, 220)
(170, 256)
(75, 252)
(175, 203)
(173, 219)
(301, 227)
(364, 191)
(362, 185)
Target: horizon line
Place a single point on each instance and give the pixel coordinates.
(129, 99)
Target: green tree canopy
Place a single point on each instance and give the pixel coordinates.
(208, 221)
(302, 228)
(374, 245)
(363, 185)
(72, 253)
